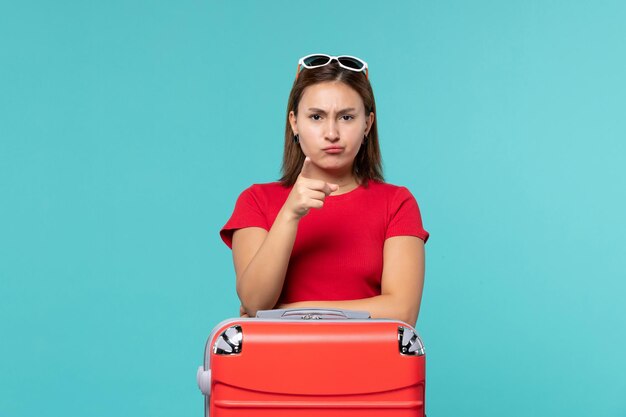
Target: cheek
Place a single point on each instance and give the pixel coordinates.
(355, 133)
(307, 141)
(307, 128)
(316, 127)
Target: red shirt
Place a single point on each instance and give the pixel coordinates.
(338, 251)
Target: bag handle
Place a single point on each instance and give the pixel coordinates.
(312, 314)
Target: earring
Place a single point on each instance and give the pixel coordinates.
(296, 138)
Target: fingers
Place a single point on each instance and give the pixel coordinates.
(306, 170)
(328, 188)
(309, 192)
(316, 204)
(317, 186)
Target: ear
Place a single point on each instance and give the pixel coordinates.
(293, 123)
(368, 123)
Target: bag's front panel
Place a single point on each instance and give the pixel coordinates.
(301, 369)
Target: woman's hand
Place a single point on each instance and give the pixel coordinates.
(307, 193)
(242, 312)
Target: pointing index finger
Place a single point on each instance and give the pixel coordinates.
(306, 168)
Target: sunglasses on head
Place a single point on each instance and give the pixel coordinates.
(348, 62)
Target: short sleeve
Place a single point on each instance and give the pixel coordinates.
(248, 212)
(405, 218)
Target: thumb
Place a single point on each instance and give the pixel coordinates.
(329, 188)
(306, 168)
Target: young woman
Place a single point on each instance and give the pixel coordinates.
(330, 233)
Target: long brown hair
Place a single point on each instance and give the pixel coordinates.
(368, 161)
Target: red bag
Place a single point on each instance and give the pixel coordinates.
(313, 362)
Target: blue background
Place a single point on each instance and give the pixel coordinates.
(128, 129)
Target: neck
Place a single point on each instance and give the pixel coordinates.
(347, 185)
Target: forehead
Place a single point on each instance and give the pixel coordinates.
(330, 95)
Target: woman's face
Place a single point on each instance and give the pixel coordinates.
(331, 123)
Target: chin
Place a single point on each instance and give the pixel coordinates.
(335, 167)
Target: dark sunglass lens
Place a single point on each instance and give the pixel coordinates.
(316, 60)
(351, 63)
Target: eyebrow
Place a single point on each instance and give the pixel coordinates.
(347, 110)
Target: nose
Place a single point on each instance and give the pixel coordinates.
(332, 133)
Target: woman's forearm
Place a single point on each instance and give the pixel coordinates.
(261, 283)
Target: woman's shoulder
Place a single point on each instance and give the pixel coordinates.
(267, 190)
(393, 195)
(268, 187)
(381, 187)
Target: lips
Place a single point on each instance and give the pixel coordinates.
(333, 149)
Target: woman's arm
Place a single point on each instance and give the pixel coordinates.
(401, 287)
(261, 257)
(261, 260)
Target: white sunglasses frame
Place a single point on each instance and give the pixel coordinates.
(330, 59)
